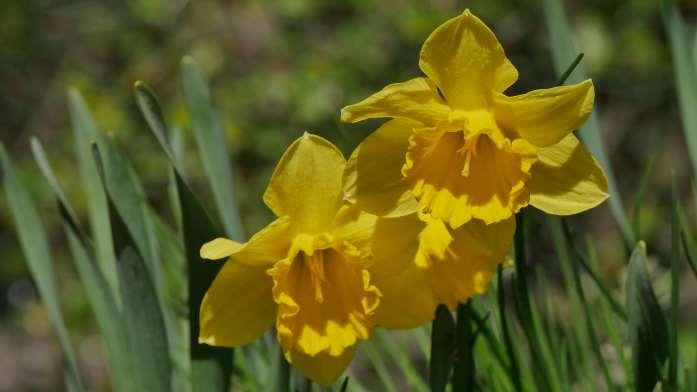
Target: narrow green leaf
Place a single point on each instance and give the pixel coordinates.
(85, 132)
(506, 332)
(641, 192)
(544, 368)
(564, 53)
(442, 349)
(45, 166)
(344, 385)
(672, 382)
(143, 315)
(685, 74)
(588, 317)
(101, 297)
(582, 260)
(35, 246)
(283, 376)
(648, 331)
(565, 75)
(210, 138)
(464, 367)
(400, 356)
(109, 319)
(211, 367)
(378, 363)
(150, 108)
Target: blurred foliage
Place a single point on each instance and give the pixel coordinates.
(278, 68)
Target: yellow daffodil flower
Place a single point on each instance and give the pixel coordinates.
(306, 271)
(429, 264)
(458, 148)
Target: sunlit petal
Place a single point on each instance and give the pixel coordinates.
(466, 61)
(567, 179)
(306, 184)
(544, 117)
(416, 99)
(373, 178)
(238, 307)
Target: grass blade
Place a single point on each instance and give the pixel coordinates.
(86, 132)
(109, 319)
(35, 246)
(210, 138)
(211, 367)
(150, 108)
(506, 332)
(564, 53)
(685, 74)
(641, 192)
(672, 382)
(143, 315)
(101, 297)
(442, 349)
(648, 331)
(544, 367)
(588, 317)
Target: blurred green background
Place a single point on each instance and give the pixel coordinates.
(278, 68)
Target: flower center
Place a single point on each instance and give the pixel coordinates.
(325, 298)
(315, 264)
(467, 169)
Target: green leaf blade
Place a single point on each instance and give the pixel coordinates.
(35, 246)
(210, 138)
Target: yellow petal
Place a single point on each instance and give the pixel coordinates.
(407, 297)
(394, 245)
(456, 177)
(306, 184)
(567, 179)
(326, 301)
(238, 307)
(416, 99)
(219, 248)
(544, 117)
(464, 58)
(464, 268)
(354, 226)
(266, 247)
(373, 178)
(408, 300)
(322, 368)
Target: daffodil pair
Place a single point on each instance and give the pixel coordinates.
(420, 215)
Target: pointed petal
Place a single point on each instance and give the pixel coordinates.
(266, 247)
(322, 368)
(567, 179)
(464, 58)
(373, 177)
(306, 184)
(544, 117)
(416, 99)
(238, 307)
(219, 248)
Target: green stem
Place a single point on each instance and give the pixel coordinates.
(463, 371)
